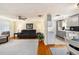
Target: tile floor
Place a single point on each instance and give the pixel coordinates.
(58, 41)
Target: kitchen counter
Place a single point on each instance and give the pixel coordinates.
(72, 31)
(61, 33)
(61, 30)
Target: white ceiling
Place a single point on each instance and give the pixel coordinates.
(33, 9)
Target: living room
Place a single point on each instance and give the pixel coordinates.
(14, 27)
(23, 26)
(34, 29)
(11, 31)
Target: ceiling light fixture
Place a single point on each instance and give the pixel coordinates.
(39, 15)
(77, 4)
(57, 15)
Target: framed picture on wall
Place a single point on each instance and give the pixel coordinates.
(29, 26)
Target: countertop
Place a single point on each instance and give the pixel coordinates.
(69, 31)
(62, 30)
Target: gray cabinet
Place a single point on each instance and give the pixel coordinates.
(73, 21)
(61, 34)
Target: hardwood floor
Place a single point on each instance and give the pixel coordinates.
(56, 45)
(43, 49)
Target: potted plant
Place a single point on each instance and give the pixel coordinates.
(40, 36)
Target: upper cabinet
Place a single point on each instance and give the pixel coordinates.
(73, 21)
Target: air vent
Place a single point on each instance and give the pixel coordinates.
(57, 15)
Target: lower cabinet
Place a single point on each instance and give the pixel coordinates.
(61, 34)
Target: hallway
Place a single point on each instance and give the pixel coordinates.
(54, 39)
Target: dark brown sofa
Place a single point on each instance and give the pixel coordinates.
(27, 34)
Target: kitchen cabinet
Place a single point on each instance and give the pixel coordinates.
(73, 21)
(61, 33)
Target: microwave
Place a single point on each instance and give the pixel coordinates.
(74, 28)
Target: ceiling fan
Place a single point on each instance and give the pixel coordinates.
(22, 18)
(77, 4)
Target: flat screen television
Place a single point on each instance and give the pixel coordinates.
(29, 26)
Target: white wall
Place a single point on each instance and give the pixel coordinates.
(52, 36)
(38, 24)
(50, 29)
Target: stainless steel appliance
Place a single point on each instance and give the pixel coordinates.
(74, 28)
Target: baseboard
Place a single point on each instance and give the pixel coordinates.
(60, 37)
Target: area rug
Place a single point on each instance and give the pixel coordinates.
(59, 51)
(19, 47)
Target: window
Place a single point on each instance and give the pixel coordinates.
(4, 25)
